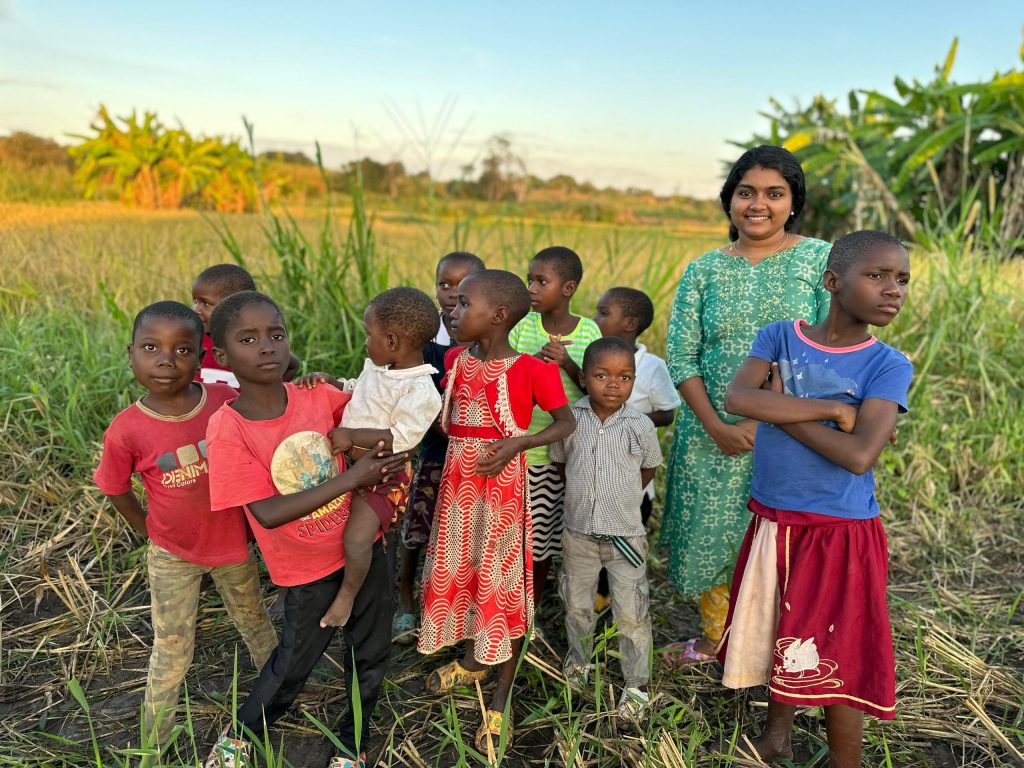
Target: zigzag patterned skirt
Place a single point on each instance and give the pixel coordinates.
(478, 574)
(547, 505)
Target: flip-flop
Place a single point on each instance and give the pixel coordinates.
(684, 654)
(451, 676)
(490, 730)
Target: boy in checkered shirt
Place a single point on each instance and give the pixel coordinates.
(607, 462)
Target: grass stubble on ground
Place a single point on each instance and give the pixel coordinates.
(72, 584)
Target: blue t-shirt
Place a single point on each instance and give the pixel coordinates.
(788, 474)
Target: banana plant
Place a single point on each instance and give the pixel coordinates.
(914, 162)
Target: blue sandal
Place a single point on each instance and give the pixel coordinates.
(403, 628)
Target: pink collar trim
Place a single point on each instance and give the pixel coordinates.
(797, 324)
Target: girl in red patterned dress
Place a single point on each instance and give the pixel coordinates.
(477, 584)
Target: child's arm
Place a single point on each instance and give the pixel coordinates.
(364, 438)
(275, 511)
(360, 531)
(500, 452)
(748, 397)
(858, 450)
(130, 508)
(646, 475)
(663, 418)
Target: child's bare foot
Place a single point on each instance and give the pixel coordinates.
(337, 615)
(769, 748)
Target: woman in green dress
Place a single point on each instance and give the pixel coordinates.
(766, 273)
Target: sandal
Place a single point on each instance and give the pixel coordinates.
(451, 676)
(684, 654)
(348, 762)
(403, 629)
(490, 731)
(229, 753)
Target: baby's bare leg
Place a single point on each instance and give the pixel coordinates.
(360, 531)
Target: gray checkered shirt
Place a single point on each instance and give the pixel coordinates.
(602, 470)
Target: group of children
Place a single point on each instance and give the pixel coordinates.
(537, 435)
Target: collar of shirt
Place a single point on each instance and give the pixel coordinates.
(401, 373)
(625, 411)
(641, 350)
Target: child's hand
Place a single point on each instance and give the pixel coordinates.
(339, 612)
(774, 381)
(376, 466)
(847, 417)
(341, 439)
(496, 455)
(310, 380)
(555, 352)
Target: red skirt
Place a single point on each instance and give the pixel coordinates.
(808, 613)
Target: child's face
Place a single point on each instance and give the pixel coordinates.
(449, 274)
(381, 345)
(547, 290)
(164, 355)
(256, 348)
(473, 316)
(761, 203)
(609, 379)
(875, 285)
(612, 321)
(205, 298)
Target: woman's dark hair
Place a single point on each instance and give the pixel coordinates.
(772, 158)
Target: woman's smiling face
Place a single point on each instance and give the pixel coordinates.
(761, 204)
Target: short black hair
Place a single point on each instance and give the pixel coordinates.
(406, 311)
(504, 289)
(635, 304)
(603, 346)
(170, 310)
(226, 313)
(227, 279)
(848, 249)
(565, 261)
(474, 262)
(774, 159)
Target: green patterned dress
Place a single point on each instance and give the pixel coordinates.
(721, 303)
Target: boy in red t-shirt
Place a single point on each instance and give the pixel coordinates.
(270, 453)
(162, 437)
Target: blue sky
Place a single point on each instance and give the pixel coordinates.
(642, 94)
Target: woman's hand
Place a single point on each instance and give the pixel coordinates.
(496, 455)
(733, 439)
(375, 467)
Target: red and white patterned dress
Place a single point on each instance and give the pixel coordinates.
(478, 575)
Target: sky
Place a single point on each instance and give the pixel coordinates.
(622, 94)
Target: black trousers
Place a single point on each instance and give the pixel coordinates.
(367, 636)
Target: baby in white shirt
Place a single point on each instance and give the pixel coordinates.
(394, 402)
